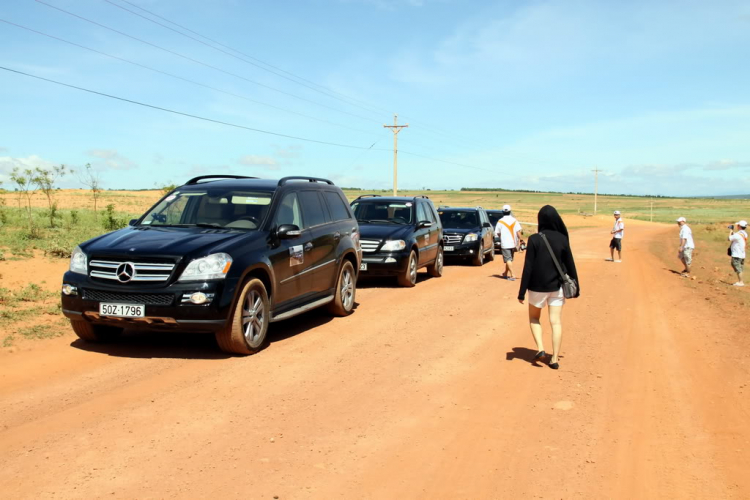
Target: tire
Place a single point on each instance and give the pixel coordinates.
(95, 333)
(436, 268)
(247, 331)
(409, 277)
(478, 259)
(346, 290)
(491, 254)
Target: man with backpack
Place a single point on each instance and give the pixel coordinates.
(618, 231)
(738, 242)
(509, 231)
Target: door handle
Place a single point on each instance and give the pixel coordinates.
(308, 246)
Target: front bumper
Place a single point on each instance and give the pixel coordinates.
(384, 263)
(462, 249)
(165, 307)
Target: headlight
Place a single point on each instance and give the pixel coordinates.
(393, 245)
(212, 267)
(470, 237)
(78, 261)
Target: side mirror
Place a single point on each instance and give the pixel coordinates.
(288, 231)
(424, 223)
(487, 224)
(132, 222)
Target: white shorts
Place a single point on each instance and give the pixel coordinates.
(539, 299)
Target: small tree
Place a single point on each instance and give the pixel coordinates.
(91, 180)
(25, 181)
(46, 179)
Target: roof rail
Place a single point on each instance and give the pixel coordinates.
(195, 180)
(367, 196)
(284, 180)
(422, 196)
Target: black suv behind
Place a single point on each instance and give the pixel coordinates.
(399, 235)
(468, 233)
(227, 255)
(496, 215)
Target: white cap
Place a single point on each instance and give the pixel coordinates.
(617, 212)
(681, 219)
(742, 223)
(506, 208)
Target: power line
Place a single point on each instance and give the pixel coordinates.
(239, 96)
(327, 92)
(189, 115)
(196, 61)
(293, 78)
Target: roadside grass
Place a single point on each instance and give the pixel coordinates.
(527, 205)
(25, 313)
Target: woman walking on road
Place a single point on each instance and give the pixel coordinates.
(542, 279)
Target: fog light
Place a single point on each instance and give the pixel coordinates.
(198, 298)
(69, 290)
(390, 260)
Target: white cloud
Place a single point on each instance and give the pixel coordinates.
(112, 160)
(8, 163)
(259, 161)
(726, 165)
(3, 150)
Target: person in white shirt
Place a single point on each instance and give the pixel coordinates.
(508, 229)
(618, 231)
(685, 252)
(738, 242)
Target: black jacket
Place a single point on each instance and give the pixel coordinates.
(539, 271)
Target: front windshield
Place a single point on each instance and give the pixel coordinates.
(220, 208)
(387, 212)
(459, 219)
(494, 217)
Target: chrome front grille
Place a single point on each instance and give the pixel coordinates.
(149, 299)
(126, 271)
(453, 239)
(369, 245)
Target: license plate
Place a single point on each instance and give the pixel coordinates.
(122, 310)
(363, 267)
(448, 249)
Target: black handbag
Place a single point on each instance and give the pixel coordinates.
(569, 285)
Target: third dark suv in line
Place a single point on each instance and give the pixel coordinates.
(399, 235)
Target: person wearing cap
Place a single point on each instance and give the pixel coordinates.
(738, 242)
(618, 231)
(685, 252)
(508, 229)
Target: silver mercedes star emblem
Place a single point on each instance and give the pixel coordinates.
(125, 272)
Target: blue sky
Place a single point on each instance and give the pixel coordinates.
(512, 94)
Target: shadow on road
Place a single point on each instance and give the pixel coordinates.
(366, 282)
(189, 345)
(525, 354)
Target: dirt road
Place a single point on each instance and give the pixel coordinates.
(421, 393)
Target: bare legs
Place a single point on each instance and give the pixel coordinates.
(555, 320)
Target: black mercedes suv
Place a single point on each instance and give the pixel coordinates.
(399, 235)
(222, 254)
(468, 233)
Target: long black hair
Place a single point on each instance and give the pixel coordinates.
(550, 220)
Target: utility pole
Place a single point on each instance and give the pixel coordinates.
(396, 128)
(596, 186)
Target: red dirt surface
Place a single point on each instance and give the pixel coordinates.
(421, 393)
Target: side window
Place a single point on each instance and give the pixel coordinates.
(431, 213)
(288, 211)
(421, 213)
(312, 207)
(482, 217)
(339, 209)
